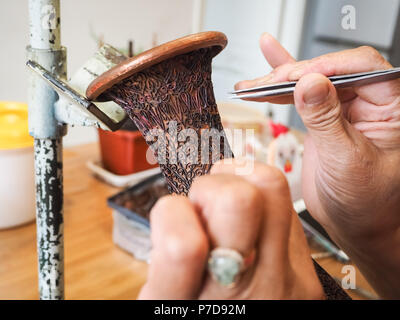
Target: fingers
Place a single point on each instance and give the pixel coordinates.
(180, 251)
(361, 59)
(277, 100)
(381, 93)
(277, 212)
(343, 62)
(283, 256)
(318, 105)
(254, 83)
(302, 265)
(231, 209)
(273, 51)
(276, 55)
(279, 74)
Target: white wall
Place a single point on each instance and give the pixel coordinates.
(116, 20)
(120, 20)
(243, 22)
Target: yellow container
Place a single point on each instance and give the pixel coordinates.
(14, 126)
(17, 187)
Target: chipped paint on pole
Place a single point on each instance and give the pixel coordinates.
(45, 48)
(49, 212)
(44, 24)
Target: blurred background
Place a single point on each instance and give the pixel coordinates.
(307, 28)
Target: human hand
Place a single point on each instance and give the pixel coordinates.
(251, 213)
(351, 175)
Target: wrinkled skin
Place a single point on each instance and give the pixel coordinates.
(350, 185)
(242, 213)
(351, 166)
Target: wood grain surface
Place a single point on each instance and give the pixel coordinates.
(94, 267)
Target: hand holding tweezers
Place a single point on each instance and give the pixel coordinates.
(341, 81)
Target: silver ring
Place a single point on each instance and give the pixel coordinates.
(226, 265)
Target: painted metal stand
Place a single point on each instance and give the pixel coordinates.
(47, 113)
(49, 218)
(45, 48)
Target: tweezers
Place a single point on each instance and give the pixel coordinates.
(342, 81)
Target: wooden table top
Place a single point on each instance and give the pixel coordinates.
(95, 268)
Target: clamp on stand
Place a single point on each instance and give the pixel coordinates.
(49, 114)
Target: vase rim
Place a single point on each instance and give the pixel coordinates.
(154, 56)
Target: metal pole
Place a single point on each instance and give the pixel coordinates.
(45, 48)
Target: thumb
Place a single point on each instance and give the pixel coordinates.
(319, 107)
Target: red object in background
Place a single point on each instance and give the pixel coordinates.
(123, 152)
(277, 129)
(288, 166)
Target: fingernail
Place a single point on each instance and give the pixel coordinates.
(317, 93)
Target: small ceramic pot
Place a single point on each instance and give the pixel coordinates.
(125, 151)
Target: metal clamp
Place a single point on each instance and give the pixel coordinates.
(41, 99)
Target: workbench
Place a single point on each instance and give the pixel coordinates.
(94, 267)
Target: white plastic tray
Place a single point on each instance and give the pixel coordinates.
(118, 180)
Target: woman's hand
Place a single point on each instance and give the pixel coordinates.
(241, 213)
(351, 165)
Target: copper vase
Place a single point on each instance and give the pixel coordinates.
(168, 93)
